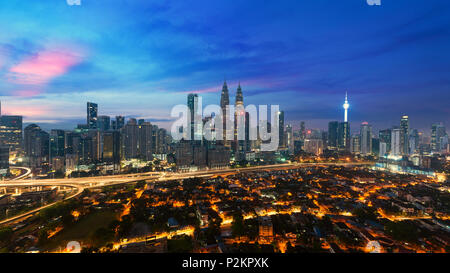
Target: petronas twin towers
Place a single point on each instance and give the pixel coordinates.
(225, 97)
(225, 102)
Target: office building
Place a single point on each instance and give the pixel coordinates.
(333, 129)
(92, 111)
(366, 138)
(404, 126)
(104, 123)
(396, 144)
(11, 132)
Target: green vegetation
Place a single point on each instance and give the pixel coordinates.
(95, 229)
(403, 231)
(180, 244)
(237, 227)
(5, 235)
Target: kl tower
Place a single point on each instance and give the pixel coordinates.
(346, 106)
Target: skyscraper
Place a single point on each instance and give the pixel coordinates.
(385, 137)
(333, 134)
(383, 149)
(366, 138)
(404, 126)
(281, 129)
(120, 122)
(302, 130)
(290, 138)
(104, 123)
(355, 144)
(224, 97)
(11, 132)
(396, 144)
(224, 102)
(239, 96)
(36, 145)
(344, 136)
(192, 103)
(130, 139)
(57, 143)
(145, 137)
(414, 141)
(111, 149)
(437, 134)
(4, 160)
(92, 111)
(241, 119)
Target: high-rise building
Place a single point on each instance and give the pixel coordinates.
(224, 102)
(111, 148)
(130, 139)
(344, 136)
(333, 128)
(404, 126)
(92, 111)
(313, 146)
(11, 132)
(196, 129)
(282, 143)
(437, 133)
(414, 141)
(145, 137)
(302, 130)
(239, 96)
(355, 144)
(103, 123)
(366, 138)
(36, 145)
(224, 98)
(385, 137)
(383, 149)
(4, 160)
(396, 144)
(290, 138)
(118, 123)
(241, 143)
(57, 143)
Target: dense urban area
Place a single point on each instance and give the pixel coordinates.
(116, 186)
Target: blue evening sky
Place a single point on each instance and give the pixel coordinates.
(140, 58)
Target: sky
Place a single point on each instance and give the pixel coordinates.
(141, 58)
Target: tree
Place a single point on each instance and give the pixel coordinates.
(6, 235)
(102, 236)
(237, 227)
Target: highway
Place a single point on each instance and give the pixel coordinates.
(23, 176)
(99, 181)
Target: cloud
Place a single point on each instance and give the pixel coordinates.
(42, 67)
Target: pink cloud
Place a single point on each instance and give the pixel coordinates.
(28, 111)
(43, 66)
(26, 93)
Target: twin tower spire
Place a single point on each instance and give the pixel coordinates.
(225, 97)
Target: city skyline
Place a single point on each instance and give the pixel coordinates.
(243, 129)
(389, 67)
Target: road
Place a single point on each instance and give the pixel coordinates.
(23, 176)
(23, 216)
(90, 182)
